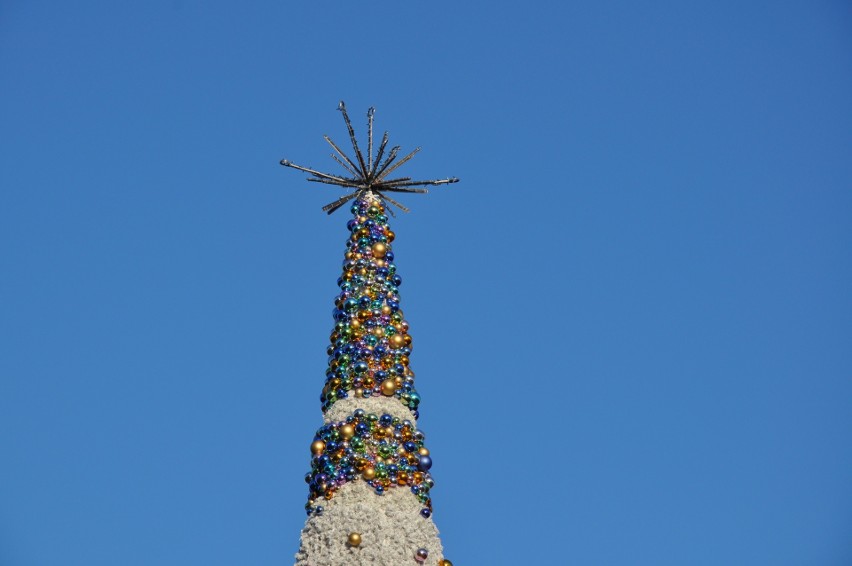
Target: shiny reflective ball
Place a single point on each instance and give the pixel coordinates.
(317, 447)
(379, 249)
(354, 539)
(388, 387)
(421, 555)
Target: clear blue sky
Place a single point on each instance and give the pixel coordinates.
(632, 318)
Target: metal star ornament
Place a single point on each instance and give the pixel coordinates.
(370, 176)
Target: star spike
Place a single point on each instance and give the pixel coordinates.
(368, 177)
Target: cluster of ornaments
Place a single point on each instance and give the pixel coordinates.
(370, 345)
(369, 357)
(384, 451)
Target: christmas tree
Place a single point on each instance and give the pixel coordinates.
(369, 485)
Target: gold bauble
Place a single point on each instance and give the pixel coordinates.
(445, 562)
(317, 446)
(423, 451)
(355, 539)
(379, 249)
(359, 393)
(388, 387)
(386, 309)
(397, 341)
(347, 431)
(369, 473)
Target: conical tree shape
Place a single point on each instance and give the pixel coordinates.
(369, 482)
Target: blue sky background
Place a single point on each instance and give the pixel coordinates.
(632, 318)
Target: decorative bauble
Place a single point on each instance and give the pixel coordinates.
(444, 562)
(421, 555)
(347, 431)
(397, 341)
(317, 447)
(423, 451)
(354, 539)
(388, 387)
(369, 473)
(379, 249)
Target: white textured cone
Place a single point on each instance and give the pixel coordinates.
(390, 525)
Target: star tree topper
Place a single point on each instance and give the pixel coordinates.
(370, 176)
